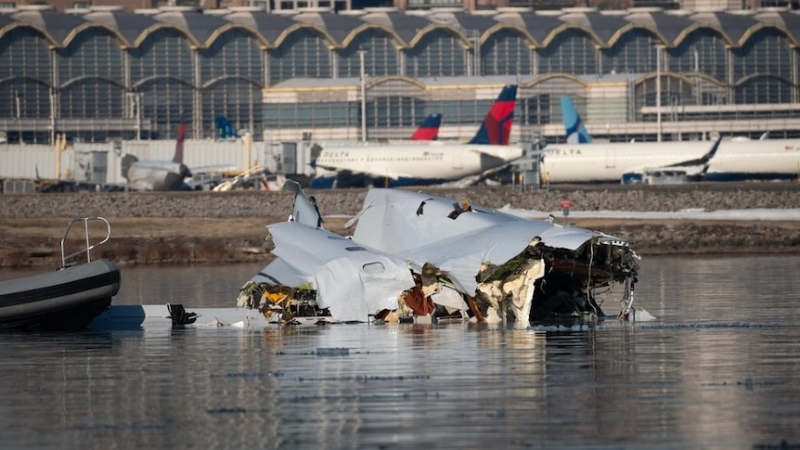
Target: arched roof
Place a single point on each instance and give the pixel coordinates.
(787, 22)
(428, 83)
(668, 26)
(464, 22)
(439, 26)
(734, 27)
(5, 21)
(57, 26)
(129, 26)
(389, 78)
(406, 26)
(756, 76)
(338, 26)
(689, 79)
(541, 28)
(271, 26)
(546, 77)
(603, 26)
(202, 27)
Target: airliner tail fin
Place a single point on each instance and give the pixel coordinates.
(178, 158)
(575, 128)
(429, 129)
(496, 127)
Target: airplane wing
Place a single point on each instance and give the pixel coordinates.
(691, 168)
(703, 160)
(365, 172)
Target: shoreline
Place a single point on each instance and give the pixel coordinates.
(35, 243)
(210, 227)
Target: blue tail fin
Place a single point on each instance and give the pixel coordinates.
(576, 130)
(224, 128)
(429, 129)
(496, 127)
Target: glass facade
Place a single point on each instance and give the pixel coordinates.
(25, 73)
(439, 53)
(571, 51)
(634, 52)
(304, 54)
(380, 55)
(165, 74)
(506, 52)
(704, 51)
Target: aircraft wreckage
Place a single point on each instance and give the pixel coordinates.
(418, 257)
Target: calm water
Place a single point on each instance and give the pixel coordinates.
(720, 368)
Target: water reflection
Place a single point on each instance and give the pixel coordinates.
(717, 370)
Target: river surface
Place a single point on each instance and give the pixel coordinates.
(718, 369)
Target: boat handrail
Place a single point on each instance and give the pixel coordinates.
(89, 246)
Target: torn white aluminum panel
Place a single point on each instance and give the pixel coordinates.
(456, 246)
(396, 221)
(351, 280)
(279, 272)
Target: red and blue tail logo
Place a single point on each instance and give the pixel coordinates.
(496, 127)
(429, 129)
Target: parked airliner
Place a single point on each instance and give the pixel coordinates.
(431, 163)
(429, 128)
(150, 175)
(729, 160)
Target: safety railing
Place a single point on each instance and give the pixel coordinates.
(89, 245)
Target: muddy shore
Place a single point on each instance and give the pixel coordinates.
(204, 227)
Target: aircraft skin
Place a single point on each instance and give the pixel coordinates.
(152, 175)
(766, 159)
(414, 250)
(353, 281)
(432, 163)
(429, 129)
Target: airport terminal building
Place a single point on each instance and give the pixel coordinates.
(105, 74)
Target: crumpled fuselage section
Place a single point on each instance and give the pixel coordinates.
(417, 257)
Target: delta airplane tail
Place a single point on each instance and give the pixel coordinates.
(178, 158)
(429, 129)
(496, 127)
(576, 130)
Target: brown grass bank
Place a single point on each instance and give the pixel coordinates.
(27, 242)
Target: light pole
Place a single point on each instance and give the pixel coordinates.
(658, 92)
(361, 54)
(18, 113)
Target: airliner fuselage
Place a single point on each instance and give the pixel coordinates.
(415, 164)
(735, 160)
(157, 175)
